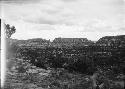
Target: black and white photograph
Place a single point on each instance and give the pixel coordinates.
(62, 44)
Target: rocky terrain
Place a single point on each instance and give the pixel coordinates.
(66, 63)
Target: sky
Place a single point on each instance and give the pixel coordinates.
(49, 19)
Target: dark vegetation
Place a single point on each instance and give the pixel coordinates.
(83, 58)
(70, 60)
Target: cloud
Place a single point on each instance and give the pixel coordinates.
(69, 0)
(43, 27)
(61, 12)
(18, 1)
(122, 29)
(66, 18)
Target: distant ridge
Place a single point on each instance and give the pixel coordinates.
(112, 40)
(70, 42)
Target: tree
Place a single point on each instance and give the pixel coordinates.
(9, 30)
(11, 47)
